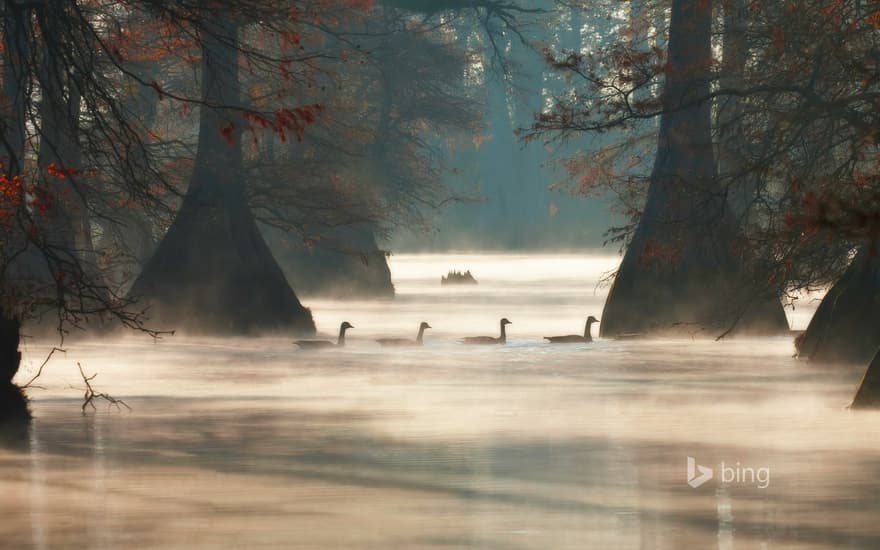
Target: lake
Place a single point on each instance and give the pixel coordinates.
(253, 443)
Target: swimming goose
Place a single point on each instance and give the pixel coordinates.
(405, 342)
(575, 338)
(489, 339)
(319, 344)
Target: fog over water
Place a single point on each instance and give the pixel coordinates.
(255, 443)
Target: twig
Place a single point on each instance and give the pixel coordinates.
(91, 394)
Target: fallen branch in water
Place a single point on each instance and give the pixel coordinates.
(91, 394)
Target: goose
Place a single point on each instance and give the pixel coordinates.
(405, 342)
(575, 338)
(489, 339)
(320, 344)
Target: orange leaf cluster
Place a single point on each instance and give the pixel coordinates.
(61, 173)
(14, 192)
(286, 120)
(10, 196)
(226, 132)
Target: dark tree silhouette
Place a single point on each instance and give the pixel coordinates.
(681, 268)
(846, 325)
(213, 271)
(868, 394)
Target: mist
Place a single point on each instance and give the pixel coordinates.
(524, 444)
(439, 273)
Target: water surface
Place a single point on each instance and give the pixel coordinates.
(254, 443)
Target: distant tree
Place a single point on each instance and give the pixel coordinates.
(380, 148)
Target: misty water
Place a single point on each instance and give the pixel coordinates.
(255, 443)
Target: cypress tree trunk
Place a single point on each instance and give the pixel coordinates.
(346, 263)
(213, 271)
(495, 225)
(10, 357)
(868, 394)
(130, 238)
(846, 325)
(59, 117)
(681, 271)
(68, 236)
(69, 221)
(742, 187)
(13, 403)
(16, 51)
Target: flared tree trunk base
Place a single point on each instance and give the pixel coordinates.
(346, 264)
(650, 302)
(868, 394)
(846, 325)
(214, 274)
(14, 411)
(682, 273)
(13, 408)
(10, 357)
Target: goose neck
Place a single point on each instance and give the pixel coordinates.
(588, 337)
(341, 340)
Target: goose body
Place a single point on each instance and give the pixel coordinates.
(405, 342)
(315, 344)
(575, 338)
(567, 339)
(321, 344)
(482, 340)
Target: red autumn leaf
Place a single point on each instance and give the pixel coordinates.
(226, 132)
(54, 170)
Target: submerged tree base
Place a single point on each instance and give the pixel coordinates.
(868, 394)
(653, 301)
(683, 272)
(346, 264)
(13, 406)
(846, 326)
(10, 337)
(14, 411)
(214, 274)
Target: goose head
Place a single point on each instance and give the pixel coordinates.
(505, 322)
(424, 325)
(345, 325)
(592, 319)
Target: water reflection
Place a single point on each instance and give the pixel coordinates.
(39, 516)
(15, 417)
(292, 469)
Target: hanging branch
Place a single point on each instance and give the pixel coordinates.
(43, 364)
